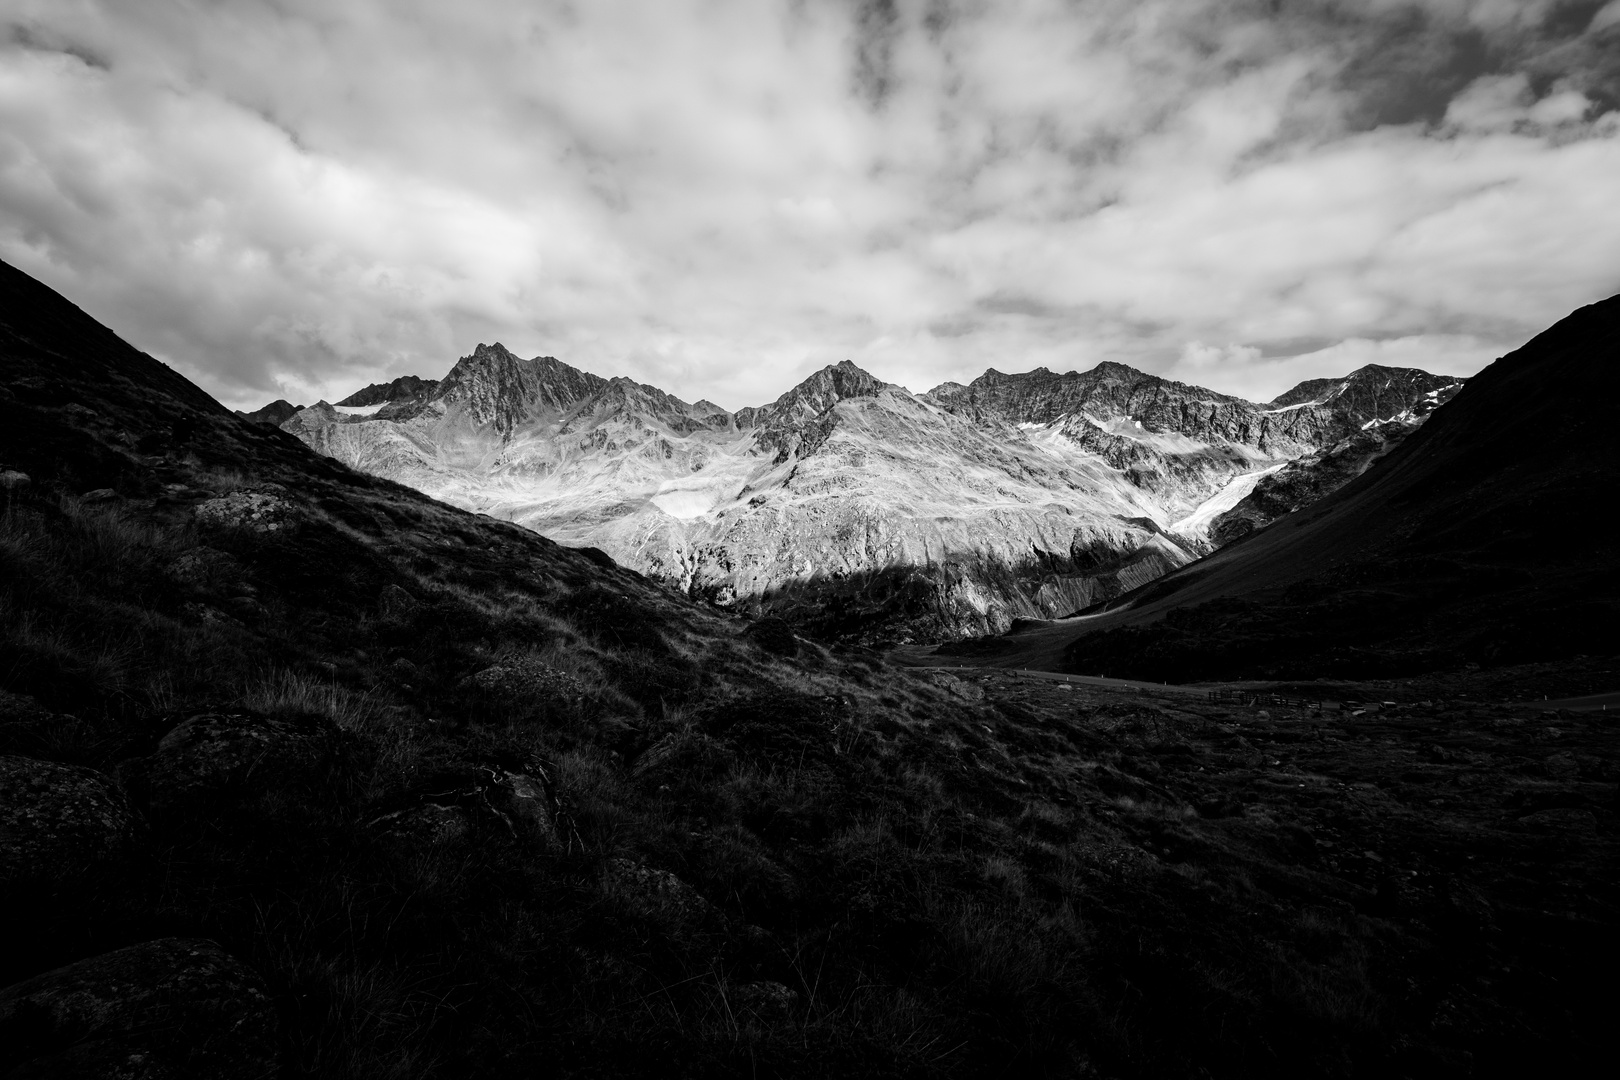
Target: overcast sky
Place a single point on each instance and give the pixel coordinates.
(292, 198)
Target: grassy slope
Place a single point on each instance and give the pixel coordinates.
(953, 885)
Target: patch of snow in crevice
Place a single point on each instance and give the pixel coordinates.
(1236, 490)
(359, 410)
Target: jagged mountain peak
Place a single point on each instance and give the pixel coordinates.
(500, 389)
(818, 393)
(1364, 388)
(944, 391)
(404, 388)
(1041, 396)
(843, 379)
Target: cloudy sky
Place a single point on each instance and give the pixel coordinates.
(291, 198)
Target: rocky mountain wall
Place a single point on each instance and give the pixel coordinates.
(853, 506)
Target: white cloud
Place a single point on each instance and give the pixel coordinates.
(293, 199)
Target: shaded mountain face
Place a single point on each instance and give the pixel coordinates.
(856, 508)
(1370, 393)
(1465, 543)
(275, 414)
(404, 388)
(1381, 406)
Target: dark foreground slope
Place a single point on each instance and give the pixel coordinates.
(304, 774)
(1478, 540)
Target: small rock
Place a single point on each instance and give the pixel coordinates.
(202, 569)
(22, 710)
(179, 1007)
(256, 511)
(521, 802)
(395, 603)
(203, 615)
(214, 754)
(100, 495)
(767, 1001)
(1562, 766)
(665, 749)
(956, 687)
(402, 668)
(12, 480)
(56, 818)
(425, 825)
(1561, 819)
(245, 609)
(658, 893)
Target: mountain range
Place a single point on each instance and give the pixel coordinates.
(856, 508)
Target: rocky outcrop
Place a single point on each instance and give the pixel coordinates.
(254, 511)
(175, 1007)
(57, 818)
(850, 506)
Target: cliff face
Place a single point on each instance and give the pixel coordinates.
(857, 508)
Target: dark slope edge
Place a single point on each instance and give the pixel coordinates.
(642, 840)
(1477, 540)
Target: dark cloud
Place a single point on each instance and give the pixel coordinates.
(877, 29)
(37, 39)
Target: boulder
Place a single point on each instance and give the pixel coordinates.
(175, 1007)
(395, 603)
(215, 755)
(527, 679)
(56, 818)
(13, 480)
(202, 570)
(764, 1001)
(250, 510)
(958, 688)
(22, 710)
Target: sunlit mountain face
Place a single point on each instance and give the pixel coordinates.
(859, 509)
